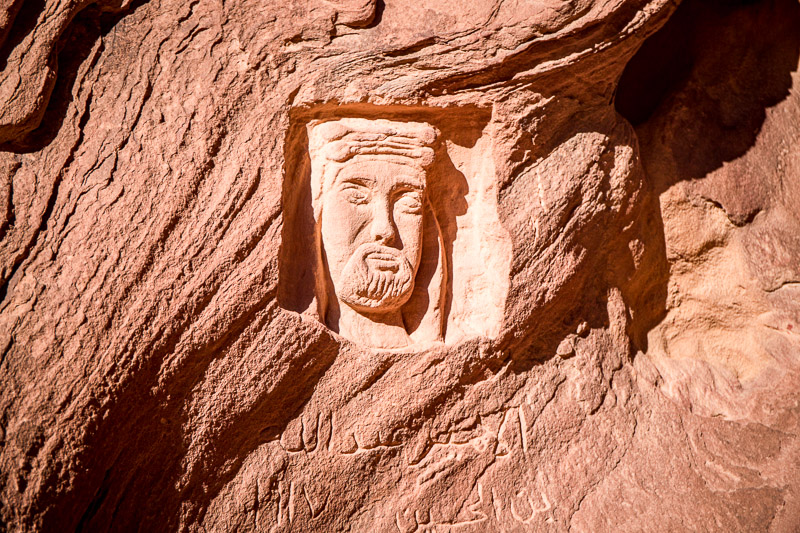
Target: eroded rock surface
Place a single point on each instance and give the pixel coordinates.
(364, 265)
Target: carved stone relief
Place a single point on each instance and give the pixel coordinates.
(403, 237)
(371, 208)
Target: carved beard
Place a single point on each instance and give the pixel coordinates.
(382, 286)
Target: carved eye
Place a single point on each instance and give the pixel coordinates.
(355, 194)
(410, 202)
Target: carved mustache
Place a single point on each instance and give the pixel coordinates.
(382, 257)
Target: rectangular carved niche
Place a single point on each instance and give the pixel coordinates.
(391, 232)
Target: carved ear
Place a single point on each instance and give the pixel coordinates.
(423, 314)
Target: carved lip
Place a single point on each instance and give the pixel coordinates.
(382, 261)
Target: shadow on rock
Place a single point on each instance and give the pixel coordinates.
(697, 93)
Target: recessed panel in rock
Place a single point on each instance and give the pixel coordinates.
(391, 234)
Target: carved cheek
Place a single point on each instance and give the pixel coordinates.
(339, 225)
(352, 221)
(409, 226)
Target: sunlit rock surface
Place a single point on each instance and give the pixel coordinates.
(401, 265)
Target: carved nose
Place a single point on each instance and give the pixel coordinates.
(383, 228)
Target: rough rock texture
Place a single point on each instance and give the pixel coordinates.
(614, 202)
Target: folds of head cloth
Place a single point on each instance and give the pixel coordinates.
(341, 140)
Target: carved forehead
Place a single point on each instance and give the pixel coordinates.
(340, 140)
(372, 171)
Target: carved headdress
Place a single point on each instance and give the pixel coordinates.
(332, 144)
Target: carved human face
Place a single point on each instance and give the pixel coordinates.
(372, 232)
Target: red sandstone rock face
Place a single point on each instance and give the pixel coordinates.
(576, 236)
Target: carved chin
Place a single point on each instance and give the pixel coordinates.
(376, 278)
